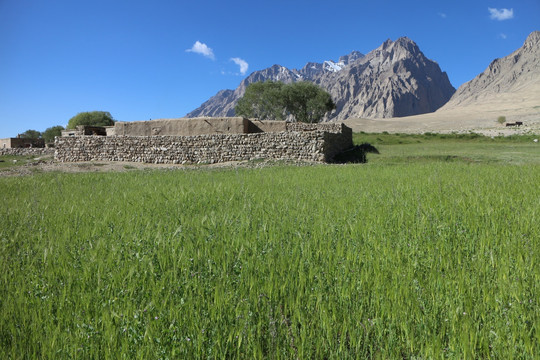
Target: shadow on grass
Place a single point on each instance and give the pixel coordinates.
(355, 155)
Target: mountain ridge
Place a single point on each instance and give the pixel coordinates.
(395, 79)
(509, 87)
(510, 74)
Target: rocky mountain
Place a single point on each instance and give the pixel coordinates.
(513, 79)
(394, 80)
(223, 103)
(508, 87)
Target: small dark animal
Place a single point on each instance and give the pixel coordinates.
(511, 124)
(356, 154)
(519, 123)
(368, 148)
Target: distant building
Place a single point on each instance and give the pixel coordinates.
(86, 130)
(18, 142)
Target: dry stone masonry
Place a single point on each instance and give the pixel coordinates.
(27, 151)
(307, 142)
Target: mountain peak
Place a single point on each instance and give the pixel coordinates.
(402, 47)
(386, 44)
(395, 79)
(352, 57)
(533, 40)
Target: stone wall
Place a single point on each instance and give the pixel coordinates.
(336, 141)
(318, 146)
(27, 151)
(329, 127)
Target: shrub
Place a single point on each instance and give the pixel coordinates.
(50, 133)
(91, 118)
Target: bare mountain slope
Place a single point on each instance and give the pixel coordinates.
(395, 79)
(515, 74)
(509, 87)
(223, 103)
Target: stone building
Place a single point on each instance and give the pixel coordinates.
(18, 142)
(86, 130)
(206, 140)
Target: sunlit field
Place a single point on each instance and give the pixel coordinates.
(428, 253)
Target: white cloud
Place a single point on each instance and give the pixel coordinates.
(503, 36)
(443, 15)
(501, 14)
(242, 63)
(203, 49)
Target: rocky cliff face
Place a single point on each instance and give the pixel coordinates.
(516, 73)
(395, 79)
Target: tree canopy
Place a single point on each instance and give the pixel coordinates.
(50, 133)
(307, 102)
(303, 100)
(31, 134)
(91, 118)
(262, 100)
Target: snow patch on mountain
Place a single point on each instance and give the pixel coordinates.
(329, 65)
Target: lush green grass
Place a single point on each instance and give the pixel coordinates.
(403, 259)
(468, 148)
(391, 139)
(7, 161)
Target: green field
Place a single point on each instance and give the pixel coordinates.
(430, 250)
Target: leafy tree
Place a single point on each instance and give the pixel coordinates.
(50, 133)
(307, 102)
(303, 100)
(91, 118)
(262, 100)
(31, 134)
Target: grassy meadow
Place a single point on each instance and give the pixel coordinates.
(430, 250)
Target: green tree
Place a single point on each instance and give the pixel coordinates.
(50, 133)
(262, 100)
(307, 102)
(302, 100)
(91, 118)
(31, 134)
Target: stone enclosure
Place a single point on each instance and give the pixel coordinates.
(207, 140)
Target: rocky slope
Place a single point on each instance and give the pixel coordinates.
(517, 73)
(393, 80)
(223, 103)
(509, 87)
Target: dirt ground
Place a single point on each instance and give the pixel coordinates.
(46, 164)
(480, 117)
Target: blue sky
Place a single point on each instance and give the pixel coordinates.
(163, 58)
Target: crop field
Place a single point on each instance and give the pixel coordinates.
(426, 251)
